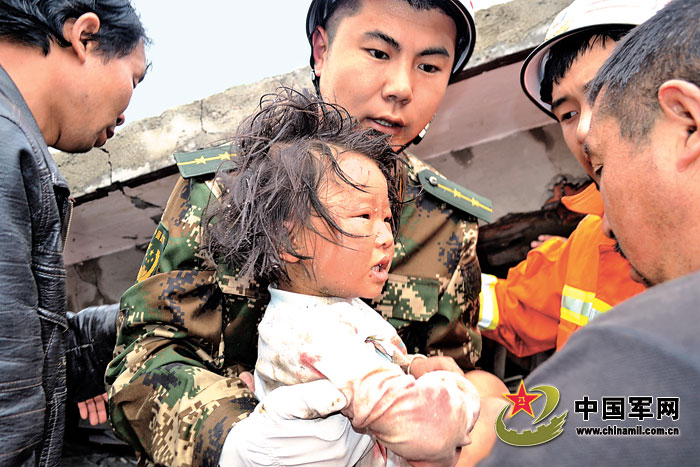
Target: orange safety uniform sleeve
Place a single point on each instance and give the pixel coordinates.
(559, 287)
(522, 311)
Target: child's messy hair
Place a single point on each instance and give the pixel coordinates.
(285, 152)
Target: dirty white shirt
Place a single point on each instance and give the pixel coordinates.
(358, 364)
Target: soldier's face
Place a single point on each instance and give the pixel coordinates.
(341, 265)
(388, 65)
(569, 99)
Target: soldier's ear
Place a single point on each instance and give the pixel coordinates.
(320, 47)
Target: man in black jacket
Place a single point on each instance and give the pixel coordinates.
(67, 72)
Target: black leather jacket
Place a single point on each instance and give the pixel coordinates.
(91, 339)
(34, 328)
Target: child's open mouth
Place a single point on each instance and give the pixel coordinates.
(380, 271)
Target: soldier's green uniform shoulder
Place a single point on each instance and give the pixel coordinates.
(455, 195)
(434, 183)
(204, 161)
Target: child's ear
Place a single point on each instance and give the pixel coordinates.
(284, 254)
(289, 258)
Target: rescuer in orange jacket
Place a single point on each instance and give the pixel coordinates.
(563, 284)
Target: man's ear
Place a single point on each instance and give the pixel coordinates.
(680, 102)
(319, 41)
(79, 33)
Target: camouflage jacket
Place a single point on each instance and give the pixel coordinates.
(188, 326)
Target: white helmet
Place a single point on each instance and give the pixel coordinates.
(581, 16)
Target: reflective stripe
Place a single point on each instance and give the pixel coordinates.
(600, 305)
(488, 303)
(573, 317)
(579, 306)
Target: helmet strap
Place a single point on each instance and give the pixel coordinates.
(422, 133)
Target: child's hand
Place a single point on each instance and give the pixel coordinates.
(421, 366)
(247, 378)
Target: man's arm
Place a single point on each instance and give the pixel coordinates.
(173, 396)
(22, 400)
(91, 336)
(522, 311)
(646, 347)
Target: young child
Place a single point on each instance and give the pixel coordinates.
(311, 208)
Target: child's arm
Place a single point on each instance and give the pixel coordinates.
(273, 434)
(419, 419)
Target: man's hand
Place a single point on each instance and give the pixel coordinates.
(94, 409)
(543, 238)
(421, 366)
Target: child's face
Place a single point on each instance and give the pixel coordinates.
(358, 266)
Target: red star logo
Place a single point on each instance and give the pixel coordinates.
(522, 400)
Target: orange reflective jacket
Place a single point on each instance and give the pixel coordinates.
(559, 287)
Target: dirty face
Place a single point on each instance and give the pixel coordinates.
(569, 99)
(388, 65)
(642, 204)
(341, 265)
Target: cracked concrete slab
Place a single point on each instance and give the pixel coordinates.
(123, 219)
(146, 146)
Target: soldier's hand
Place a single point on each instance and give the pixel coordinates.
(421, 366)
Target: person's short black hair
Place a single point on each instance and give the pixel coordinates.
(351, 7)
(565, 52)
(285, 153)
(665, 47)
(38, 23)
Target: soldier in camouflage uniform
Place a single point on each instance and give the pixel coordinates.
(188, 327)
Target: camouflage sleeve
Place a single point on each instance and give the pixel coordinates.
(432, 295)
(174, 397)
